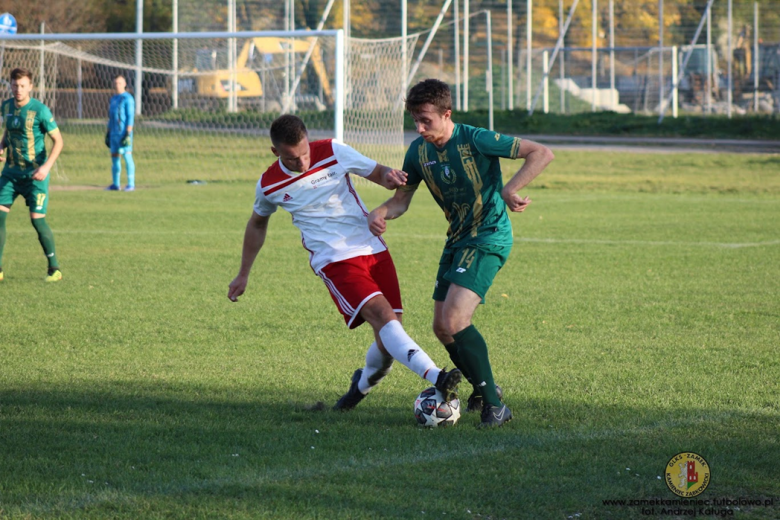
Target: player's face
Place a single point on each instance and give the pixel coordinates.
(434, 127)
(120, 85)
(295, 158)
(21, 89)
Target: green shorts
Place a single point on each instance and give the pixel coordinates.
(473, 267)
(35, 193)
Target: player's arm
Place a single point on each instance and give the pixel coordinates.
(254, 238)
(129, 107)
(43, 171)
(388, 177)
(391, 209)
(537, 157)
(3, 146)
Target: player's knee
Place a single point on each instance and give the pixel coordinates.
(448, 325)
(440, 330)
(378, 312)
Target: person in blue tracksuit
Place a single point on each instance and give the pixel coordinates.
(119, 134)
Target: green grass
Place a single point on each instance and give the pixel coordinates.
(637, 317)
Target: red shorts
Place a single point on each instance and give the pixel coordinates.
(354, 281)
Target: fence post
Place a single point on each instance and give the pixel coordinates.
(545, 68)
(489, 71)
(612, 90)
(175, 63)
(756, 62)
(42, 69)
(709, 62)
(466, 35)
(729, 58)
(509, 39)
(528, 56)
(594, 35)
(661, 96)
(675, 86)
(563, 55)
(139, 59)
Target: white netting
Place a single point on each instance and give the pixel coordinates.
(212, 98)
(374, 111)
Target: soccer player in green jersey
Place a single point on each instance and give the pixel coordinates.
(460, 165)
(26, 172)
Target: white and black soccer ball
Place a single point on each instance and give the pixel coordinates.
(431, 410)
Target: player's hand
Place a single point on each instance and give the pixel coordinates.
(108, 140)
(236, 288)
(126, 140)
(394, 178)
(515, 203)
(41, 173)
(2, 154)
(376, 222)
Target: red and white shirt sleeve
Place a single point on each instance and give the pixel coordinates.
(323, 203)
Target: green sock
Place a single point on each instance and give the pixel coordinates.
(46, 238)
(452, 349)
(3, 216)
(472, 350)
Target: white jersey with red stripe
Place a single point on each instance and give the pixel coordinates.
(323, 203)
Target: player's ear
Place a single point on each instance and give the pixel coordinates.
(275, 151)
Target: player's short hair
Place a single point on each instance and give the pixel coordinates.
(20, 73)
(117, 76)
(429, 91)
(288, 129)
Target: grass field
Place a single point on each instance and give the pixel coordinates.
(638, 317)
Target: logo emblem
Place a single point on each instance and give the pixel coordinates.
(411, 353)
(447, 175)
(500, 416)
(15, 122)
(687, 474)
(286, 197)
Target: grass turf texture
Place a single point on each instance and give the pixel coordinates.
(636, 318)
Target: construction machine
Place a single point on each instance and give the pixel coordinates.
(252, 62)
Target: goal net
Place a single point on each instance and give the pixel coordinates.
(204, 104)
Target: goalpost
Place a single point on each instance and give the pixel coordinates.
(212, 95)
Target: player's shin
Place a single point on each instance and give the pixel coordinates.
(3, 216)
(452, 350)
(403, 348)
(130, 164)
(116, 170)
(46, 238)
(473, 351)
(377, 367)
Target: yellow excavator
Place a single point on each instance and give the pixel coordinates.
(219, 83)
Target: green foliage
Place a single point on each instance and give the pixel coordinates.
(613, 124)
(219, 117)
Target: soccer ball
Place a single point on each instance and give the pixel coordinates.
(431, 410)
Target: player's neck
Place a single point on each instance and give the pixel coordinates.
(21, 104)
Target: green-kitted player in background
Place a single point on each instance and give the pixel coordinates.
(26, 172)
(460, 165)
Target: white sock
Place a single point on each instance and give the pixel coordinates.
(403, 348)
(377, 367)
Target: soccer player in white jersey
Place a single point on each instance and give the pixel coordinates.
(311, 181)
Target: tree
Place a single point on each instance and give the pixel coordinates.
(59, 17)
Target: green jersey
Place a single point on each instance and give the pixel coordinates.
(465, 179)
(25, 130)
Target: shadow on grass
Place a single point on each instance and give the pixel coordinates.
(136, 450)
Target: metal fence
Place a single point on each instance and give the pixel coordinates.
(663, 57)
